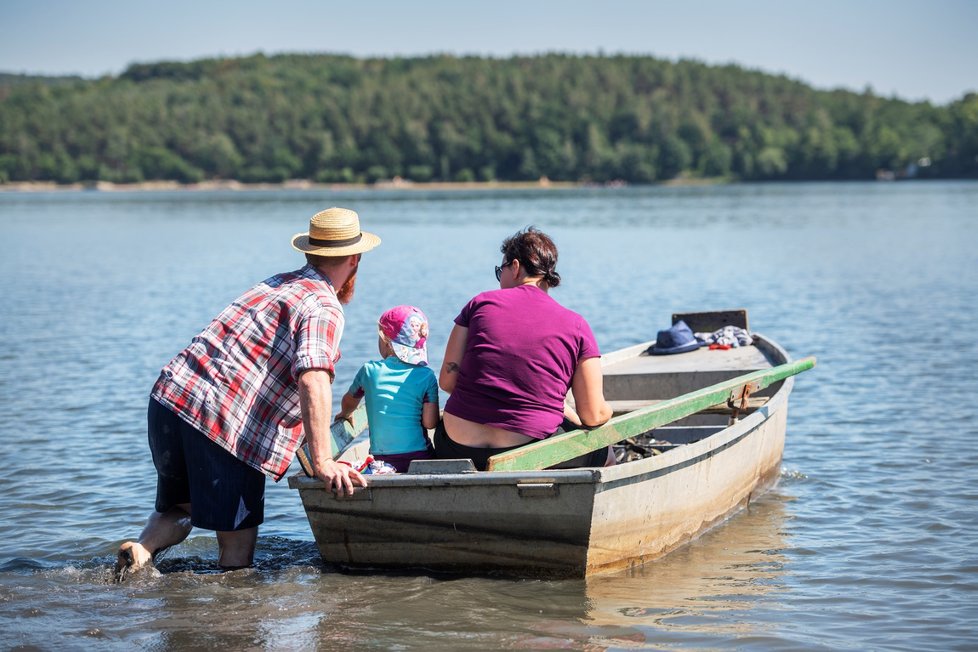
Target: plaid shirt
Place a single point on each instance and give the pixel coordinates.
(237, 381)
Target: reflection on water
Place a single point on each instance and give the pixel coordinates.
(731, 568)
(289, 601)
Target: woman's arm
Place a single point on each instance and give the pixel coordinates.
(588, 389)
(570, 415)
(454, 351)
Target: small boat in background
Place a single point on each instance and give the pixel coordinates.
(698, 435)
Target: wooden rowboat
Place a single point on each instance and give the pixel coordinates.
(700, 434)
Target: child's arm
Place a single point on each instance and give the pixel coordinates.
(348, 406)
(429, 409)
(429, 414)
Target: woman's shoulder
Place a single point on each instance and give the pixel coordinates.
(525, 297)
(548, 302)
(487, 298)
(520, 294)
(566, 320)
(488, 295)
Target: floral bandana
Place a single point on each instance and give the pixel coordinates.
(406, 328)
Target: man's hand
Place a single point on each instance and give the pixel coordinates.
(315, 402)
(344, 416)
(339, 478)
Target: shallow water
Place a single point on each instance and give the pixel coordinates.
(867, 543)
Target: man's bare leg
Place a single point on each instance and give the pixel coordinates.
(162, 531)
(237, 548)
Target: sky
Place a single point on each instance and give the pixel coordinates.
(913, 49)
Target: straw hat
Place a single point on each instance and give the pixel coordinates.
(334, 232)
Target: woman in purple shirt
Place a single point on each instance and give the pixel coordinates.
(511, 358)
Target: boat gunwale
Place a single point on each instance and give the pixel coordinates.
(604, 478)
(682, 457)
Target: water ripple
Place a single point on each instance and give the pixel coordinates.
(867, 543)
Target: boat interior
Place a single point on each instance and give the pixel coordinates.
(634, 379)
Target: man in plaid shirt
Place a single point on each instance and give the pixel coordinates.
(233, 407)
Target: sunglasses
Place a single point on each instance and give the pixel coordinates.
(499, 270)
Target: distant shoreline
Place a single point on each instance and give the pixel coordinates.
(293, 184)
(301, 184)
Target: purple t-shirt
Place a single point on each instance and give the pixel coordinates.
(520, 356)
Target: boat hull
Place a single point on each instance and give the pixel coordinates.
(456, 526)
(646, 512)
(568, 523)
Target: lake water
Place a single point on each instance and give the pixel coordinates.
(868, 542)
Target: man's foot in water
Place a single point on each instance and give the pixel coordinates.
(132, 557)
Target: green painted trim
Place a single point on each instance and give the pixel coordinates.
(567, 446)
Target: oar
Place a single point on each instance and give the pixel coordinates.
(567, 446)
(343, 433)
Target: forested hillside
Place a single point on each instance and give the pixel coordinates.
(577, 118)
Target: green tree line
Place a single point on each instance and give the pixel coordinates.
(332, 118)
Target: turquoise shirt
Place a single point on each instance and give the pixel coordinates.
(395, 393)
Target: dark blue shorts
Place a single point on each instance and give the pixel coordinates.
(225, 493)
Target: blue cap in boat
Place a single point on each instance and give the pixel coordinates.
(678, 338)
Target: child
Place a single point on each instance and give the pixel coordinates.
(401, 390)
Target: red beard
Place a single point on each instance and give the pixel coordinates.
(345, 294)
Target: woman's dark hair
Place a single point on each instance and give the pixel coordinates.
(536, 252)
